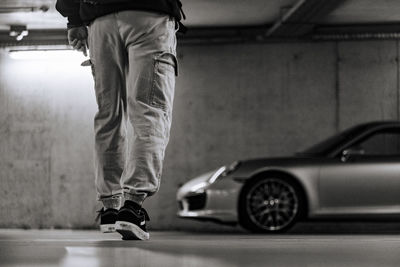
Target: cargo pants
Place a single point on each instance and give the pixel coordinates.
(133, 56)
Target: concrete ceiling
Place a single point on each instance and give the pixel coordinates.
(205, 13)
(12, 12)
(215, 13)
(365, 11)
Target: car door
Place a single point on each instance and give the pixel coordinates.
(365, 178)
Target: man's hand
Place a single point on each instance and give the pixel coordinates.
(77, 38)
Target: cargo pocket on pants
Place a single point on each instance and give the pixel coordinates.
(162, 90)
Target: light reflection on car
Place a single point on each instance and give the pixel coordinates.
(354, 174)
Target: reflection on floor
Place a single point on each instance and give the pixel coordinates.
(175, 249)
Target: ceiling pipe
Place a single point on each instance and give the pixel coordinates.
(301, 18)
(217, 36)
(357, 36)
(42, 8)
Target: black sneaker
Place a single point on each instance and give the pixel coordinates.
(131, 222)
(107, 220)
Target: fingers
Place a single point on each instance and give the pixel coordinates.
(84, 46)
(79, 33)
(83, 50)
(80, 45)
(77, 38)
(76, 44)
(73, 42)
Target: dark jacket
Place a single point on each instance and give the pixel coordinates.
(82, 12)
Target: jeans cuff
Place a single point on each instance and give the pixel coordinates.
(138, 198)
(112, 202)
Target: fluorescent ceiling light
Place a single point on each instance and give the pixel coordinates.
(63, 55)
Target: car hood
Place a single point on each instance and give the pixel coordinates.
(252, 165)
(297, 159)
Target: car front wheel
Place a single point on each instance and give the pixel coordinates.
(270, 205)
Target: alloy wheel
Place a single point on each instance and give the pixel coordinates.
(272, 204)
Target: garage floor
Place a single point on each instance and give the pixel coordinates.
(90, 248)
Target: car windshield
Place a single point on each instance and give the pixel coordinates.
(327, 145)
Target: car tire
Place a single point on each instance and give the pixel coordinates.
(270, 204)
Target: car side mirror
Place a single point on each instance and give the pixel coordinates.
(348, 153)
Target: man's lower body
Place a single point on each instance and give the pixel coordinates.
(133, 55)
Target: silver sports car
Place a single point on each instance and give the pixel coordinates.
(354, 174)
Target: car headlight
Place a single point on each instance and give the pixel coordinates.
(199, 188)
(200, 184)
(216, 174)
(231, 168)
(224, 171)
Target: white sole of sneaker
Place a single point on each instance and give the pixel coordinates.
(107, 228)
(130, 231)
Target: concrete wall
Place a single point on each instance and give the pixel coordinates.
(232, 102)
(46, 143)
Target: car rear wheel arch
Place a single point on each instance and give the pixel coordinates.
(278, 175)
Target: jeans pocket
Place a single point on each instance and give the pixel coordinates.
(162, 91)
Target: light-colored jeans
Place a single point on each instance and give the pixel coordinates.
(133, 55)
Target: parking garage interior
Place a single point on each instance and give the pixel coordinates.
(256, 79)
